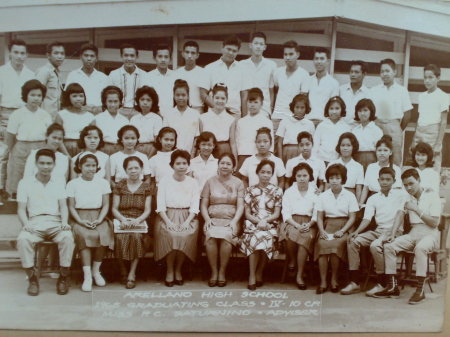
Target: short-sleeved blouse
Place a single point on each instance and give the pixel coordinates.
(223, 192)
(262, 201)
(132, 204)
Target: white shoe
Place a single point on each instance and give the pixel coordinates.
(378, 287)
(87, 284)
(351, 288)
(99, 280)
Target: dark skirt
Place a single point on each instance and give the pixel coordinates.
(289, 151)
(180, 238)
(100, 236)
(365, 158)
(336, 246)
(146, 148)
(110, 148)
(291, 233)
(221, 148)
(72, 147)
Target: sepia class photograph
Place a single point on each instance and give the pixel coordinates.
(201, 166)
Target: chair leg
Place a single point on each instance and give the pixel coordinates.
(370, 270)
(429, 284)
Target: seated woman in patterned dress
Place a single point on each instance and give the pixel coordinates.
(336, 212)
(176, 227)
(222, 206)
(131, 206)
(262, 210)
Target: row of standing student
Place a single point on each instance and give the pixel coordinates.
(252, 169)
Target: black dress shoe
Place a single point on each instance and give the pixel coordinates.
(320, 290)
(212, 283)
(169, 284)
(221, 283)
(259, 284)
(251, 287)
(335, 289)
(301, 286)
(179, 282)
(33, 286)
(62, 286)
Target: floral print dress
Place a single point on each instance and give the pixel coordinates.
(262, 203)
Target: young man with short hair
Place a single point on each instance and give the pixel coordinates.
(43, 213)
(13, 75)
(49, 75)
(92, 80)
(162, 78)
(192, 73)
(393, 107)
(322, 86)
(128, 78)
(355, 90)
(433, 110)
(260, 71)
(230, 72)
(289, 80)
(423, 208)
(383, 206)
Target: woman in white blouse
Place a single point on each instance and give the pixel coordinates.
(336, 211)
(422, 157)
(176, 227)
(299, 215)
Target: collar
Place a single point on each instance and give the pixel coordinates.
(136, 71)
(234, 64)
(395, 84)
(80, 70)
(348, 87)
(199, 159)
(158, 73)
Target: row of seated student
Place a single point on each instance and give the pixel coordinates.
(289, 101)
(322, 225)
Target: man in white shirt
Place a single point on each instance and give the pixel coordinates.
(162, 78)
(128, 78)
(322, 86)
(192, 73)
(260, 70)
(354, 91)
(289, 81)
(423, 209)
(49, 75)
(393, 107)
(12, 77)
(230, 72)
(92, 80)
(43, 213)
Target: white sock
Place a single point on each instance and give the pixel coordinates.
(87, 272)
(96, 267)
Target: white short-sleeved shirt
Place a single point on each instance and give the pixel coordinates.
(294, 203)
(316, 164)
(373, 173)
(392, 102)
(88, 194)
(355, 172)
(186, 124)
(163, 84)
(194, 77)
(160, 165)
(117, 170)
(290, 127)
(29, 126)
(92, 84)
(429, 178)
(246, 129)
(350, 99)
(334, 207)
(73, 122)
(127, 82)
(431, 106)
(261, 76)
(385, 208)
(367, 136)
(429, 202)
(187, 194)
(319, 94)
(217, 123)
(11, 85)
(110, 125)
(248, 169)
(233, 77)
(41, 199)
(59, 172)
(148, 126)
(326, 138)
(288, 87)
(102, 158)
(202, 170)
